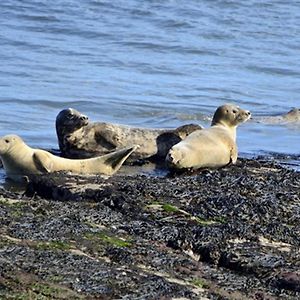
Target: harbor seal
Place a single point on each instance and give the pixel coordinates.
(212, 147)
(19, 160)
(78, 138)
(291, 117)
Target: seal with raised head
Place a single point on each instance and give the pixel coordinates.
(212, 147)
(19, 160)
(77, 137)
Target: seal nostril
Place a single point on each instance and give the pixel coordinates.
(169, 157)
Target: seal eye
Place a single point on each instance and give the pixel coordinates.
(234, 111)
(6, 141)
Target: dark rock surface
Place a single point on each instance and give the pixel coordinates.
(232, 233)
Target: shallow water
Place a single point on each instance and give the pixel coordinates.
(150, 63)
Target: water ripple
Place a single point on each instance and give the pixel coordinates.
(149, 63)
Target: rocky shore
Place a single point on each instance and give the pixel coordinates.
(232, 233)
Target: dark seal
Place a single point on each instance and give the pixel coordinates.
(79, 138)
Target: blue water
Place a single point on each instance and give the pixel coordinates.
(150, 63)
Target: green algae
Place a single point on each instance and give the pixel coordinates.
(15, 207)
(109, 239)
(25, 286)
(199, 282)
(41, 291)
(172, 209)
(53, 245)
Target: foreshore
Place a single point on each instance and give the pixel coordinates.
(232, 233)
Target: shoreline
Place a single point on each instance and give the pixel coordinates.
(148, 168)
(231, 233)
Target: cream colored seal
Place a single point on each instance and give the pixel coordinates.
(212, 147)
(77, 137)
(20, 160)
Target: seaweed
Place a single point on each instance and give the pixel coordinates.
(231, 233)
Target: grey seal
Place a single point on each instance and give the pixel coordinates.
(77, 137)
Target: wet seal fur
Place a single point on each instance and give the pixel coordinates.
(212, 147)
(293, 116)
(78, 138)
(19, 160)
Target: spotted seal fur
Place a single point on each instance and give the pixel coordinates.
(291, 117)
(77, 137)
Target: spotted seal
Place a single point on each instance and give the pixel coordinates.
(212, 147)
(291, 117)
(20, 160)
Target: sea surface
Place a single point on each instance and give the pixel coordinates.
(150, 64)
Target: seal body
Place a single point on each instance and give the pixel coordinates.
(291, 117)
(20, 160)
(212, 147)
(77, 137)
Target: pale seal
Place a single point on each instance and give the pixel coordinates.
(77, 137)
(19, 160)
(212, 147)
(291, 117)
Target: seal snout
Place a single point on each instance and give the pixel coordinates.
(84, 119)
(169, 158)
(173, 158)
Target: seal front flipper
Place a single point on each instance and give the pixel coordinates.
(106, 137)
(233, 155)
(42, 161)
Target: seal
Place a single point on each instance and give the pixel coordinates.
(291, 117)
(19, 160)
(78, 138)
(212, 147)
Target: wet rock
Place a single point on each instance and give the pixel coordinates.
(288, 280)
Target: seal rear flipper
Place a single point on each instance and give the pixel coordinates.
(115, 159)
(42, 161)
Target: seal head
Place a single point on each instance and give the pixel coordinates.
(68, 121)
(7, 143)
(230, 115)
(292, 116)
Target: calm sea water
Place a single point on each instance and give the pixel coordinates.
(151, 64)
